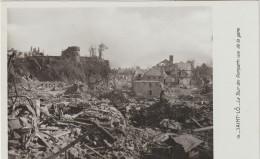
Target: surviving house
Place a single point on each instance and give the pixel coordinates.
(154, 74)
(147, 89)
(151, 84)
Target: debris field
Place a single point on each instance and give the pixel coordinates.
(69, 123)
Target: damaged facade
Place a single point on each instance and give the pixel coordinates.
(148, 89)
(166, 73)
(151, 84)
(178, 73)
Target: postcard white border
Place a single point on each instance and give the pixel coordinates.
(227, 17)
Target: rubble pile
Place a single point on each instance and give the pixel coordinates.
(189, 114)
(70, 123)
(62, 126)
(73, 89)
(178, 111)
(43, 130)
(116, 97)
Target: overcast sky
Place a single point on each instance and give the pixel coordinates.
(135, 36)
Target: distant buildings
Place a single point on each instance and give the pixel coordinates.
(19, 54)
(151, 83)
(72, 53)
(35, 52)
(184, 73)
(177, 73)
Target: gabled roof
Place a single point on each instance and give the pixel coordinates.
(188, 142)
(165, 62)
(154, 72)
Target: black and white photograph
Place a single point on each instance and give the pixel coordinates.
(110, 82)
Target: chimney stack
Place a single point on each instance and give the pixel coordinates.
(171, 58)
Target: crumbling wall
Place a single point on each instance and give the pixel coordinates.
(55, 69)
(147, 89)
(71, 53)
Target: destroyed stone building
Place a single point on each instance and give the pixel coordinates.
(185, 73)
(71, 53)
(178, 73)
(165, 73)
(68, 67)
(166, 63)
(124, 74)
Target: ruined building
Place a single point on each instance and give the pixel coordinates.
(151, 84)
(185, 73)
(72, 53)
(178, 73)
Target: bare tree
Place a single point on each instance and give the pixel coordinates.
(92, 50)
(101, 48)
